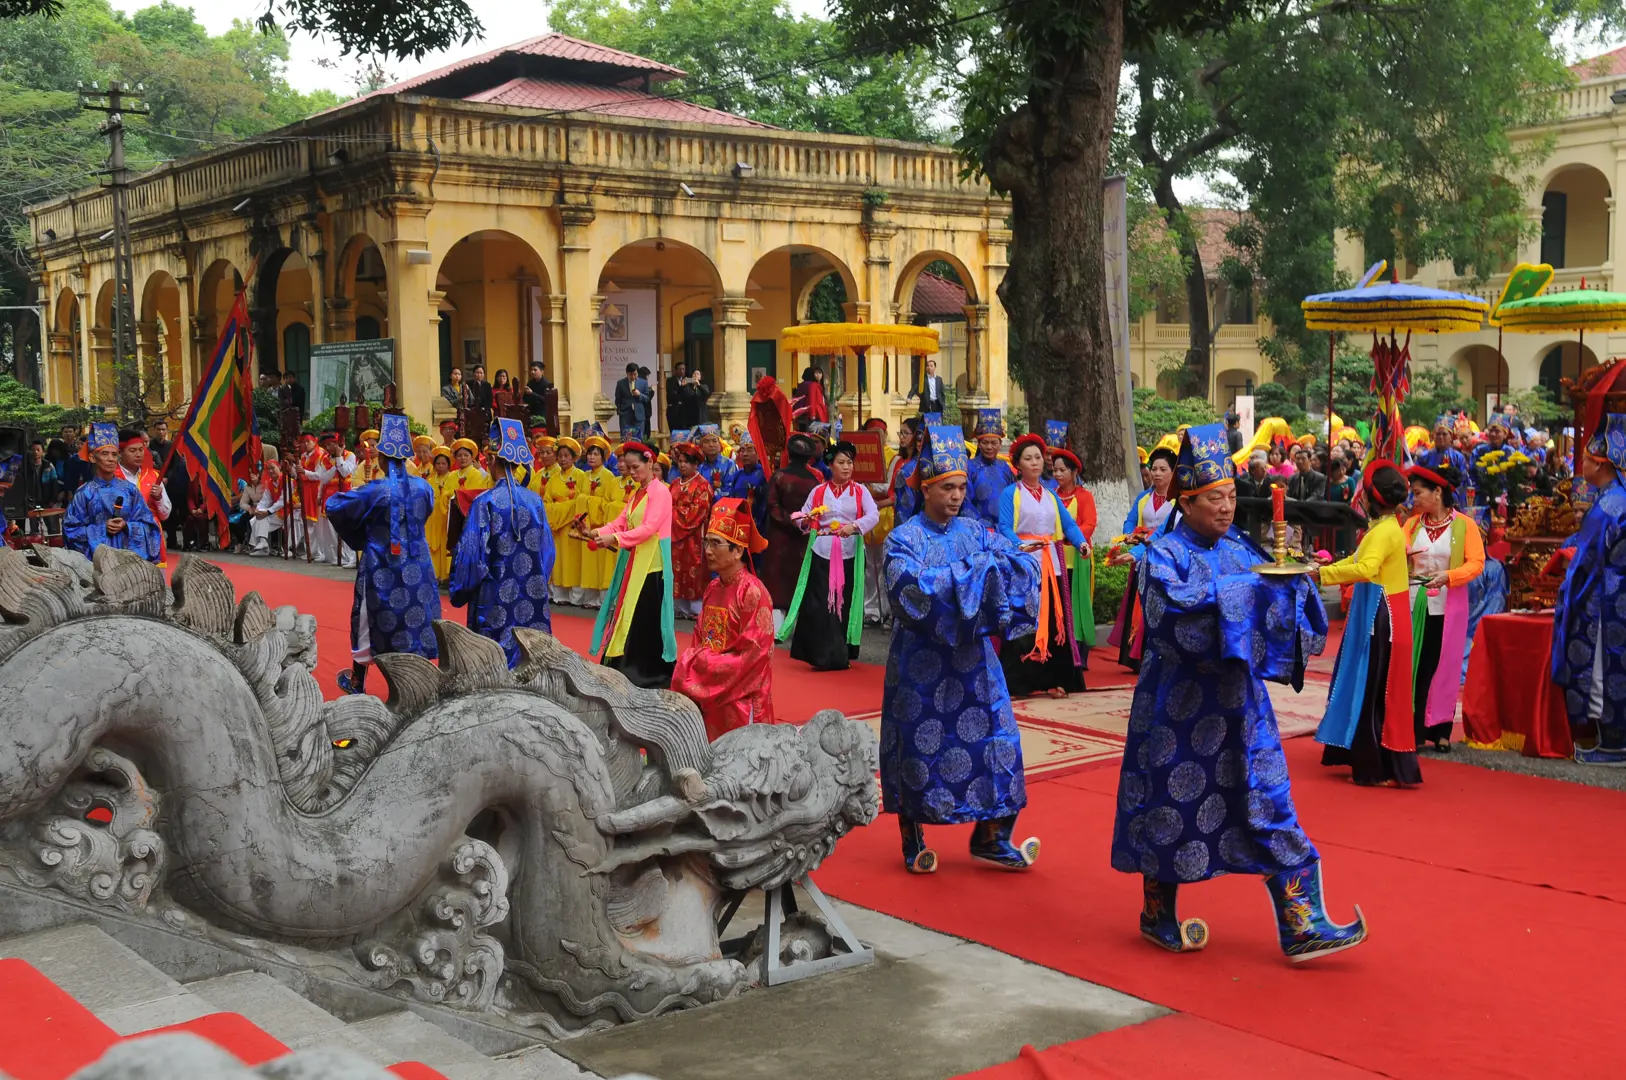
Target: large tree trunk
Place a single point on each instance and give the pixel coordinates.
(1199, 346)
(1051, 156)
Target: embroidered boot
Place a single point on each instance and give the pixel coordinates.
(991, 842)
(354, 681)
(1610, 749)
(917, 857)
(1162, 927)
(1302, 924)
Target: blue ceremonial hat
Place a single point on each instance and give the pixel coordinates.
(1055, 433)
(394, 436)
(103, 435)
(990, 422)
(1204, 460)
(581, 429)
(680, 435)
(1609, 441)
(944, 454)
(931, 418)
(744, 440)
(509, 437)
(707, 429)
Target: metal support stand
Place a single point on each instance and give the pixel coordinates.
(780, 901)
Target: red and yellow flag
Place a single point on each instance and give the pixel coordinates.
(217, 442)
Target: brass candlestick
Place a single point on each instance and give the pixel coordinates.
(1278, 551)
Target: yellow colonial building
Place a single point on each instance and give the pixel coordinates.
(1572, 198)
(539, 202)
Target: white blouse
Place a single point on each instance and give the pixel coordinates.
(1037, 517)
(853, 506)
(1430, 557)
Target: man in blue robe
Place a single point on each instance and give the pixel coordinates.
(1442, 453)
(950, 749)
(988, 475)
(1589, 622)
(714, 465)
(1203, 787)
(397, 599)
(108, 509)
(748, 481)
(505, 556)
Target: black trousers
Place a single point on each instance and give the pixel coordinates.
(820, 637)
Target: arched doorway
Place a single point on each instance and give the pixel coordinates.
(159, 340)
(1232, 384)
(362, 285)
(1575, 218)
(1566, 360)
(658, 297)
(1482, 369)
(936, 289)
(495, 289)
(284, 295)
(788, 286)
(66, 349)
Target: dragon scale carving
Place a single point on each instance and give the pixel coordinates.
(550, 842)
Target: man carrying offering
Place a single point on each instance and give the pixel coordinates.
(1203, 787)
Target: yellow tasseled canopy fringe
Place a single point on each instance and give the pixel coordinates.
(816, 338)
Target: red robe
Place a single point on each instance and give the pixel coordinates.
(728, 668)
(313, 494)
(691, 509)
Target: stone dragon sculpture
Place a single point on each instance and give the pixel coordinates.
(549, 842)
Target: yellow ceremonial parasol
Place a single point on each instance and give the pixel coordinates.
(1389, 308)
(825, 339)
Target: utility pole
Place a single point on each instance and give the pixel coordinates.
(118, 101)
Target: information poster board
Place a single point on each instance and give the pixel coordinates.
(870, 466)
(356, 370)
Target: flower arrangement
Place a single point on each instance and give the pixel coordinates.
(1502, 473)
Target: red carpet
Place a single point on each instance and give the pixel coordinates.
(1491, 926)
(1492, 899)
(799, 691)
(1179, 1045)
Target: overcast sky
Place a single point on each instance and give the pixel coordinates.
(505, 22)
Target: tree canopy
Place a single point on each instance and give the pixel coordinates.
(1388, 119)
(756, 58)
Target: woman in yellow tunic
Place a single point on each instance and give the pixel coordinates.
(421, 465)
(542, 449)
(443, 482)
(602, 504)
(1368, 723)
(565, 496)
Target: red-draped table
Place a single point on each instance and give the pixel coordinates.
(1508, 699)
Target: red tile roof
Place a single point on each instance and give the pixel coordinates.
(556, 46)
(1601, 67)
(1212, 224)
(938, 296)
(610, 100)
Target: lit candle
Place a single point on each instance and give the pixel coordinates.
(1278, 503)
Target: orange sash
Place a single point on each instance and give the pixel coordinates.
(1049, 595)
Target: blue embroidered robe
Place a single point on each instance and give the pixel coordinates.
(718, 474)
(906, 500)
(84, 527)
(1203, 786)
(950, 750)
(1592, 601)
(384, 522)
(502, 565)
(748, 484)
(985, 483)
